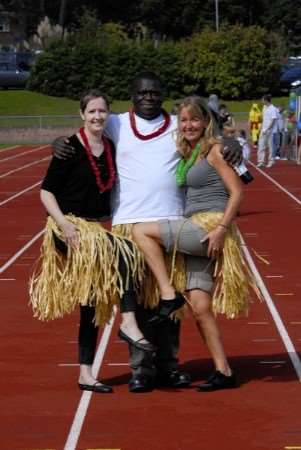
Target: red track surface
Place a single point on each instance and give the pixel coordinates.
(39, 398)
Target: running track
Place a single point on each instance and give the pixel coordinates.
(41, 406)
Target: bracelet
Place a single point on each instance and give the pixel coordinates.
(224, 226)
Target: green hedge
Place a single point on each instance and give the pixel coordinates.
(236, 63)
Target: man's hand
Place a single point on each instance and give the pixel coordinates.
(232, 151)
(62, 148)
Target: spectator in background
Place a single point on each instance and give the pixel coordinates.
(225, 116)
(269, 126)
(242, 139)
(281, 129)
(255, 120)
(289, 135)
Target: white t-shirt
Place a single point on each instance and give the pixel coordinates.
(146, 188)
(269, 114)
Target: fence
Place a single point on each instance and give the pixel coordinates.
(44, 129)
(36, 129)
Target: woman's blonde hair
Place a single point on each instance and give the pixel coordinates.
(198, 108)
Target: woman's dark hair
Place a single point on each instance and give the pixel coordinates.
(89, 95)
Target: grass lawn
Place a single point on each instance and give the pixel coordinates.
(22, 102)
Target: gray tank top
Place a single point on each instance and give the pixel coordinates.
(205, 190)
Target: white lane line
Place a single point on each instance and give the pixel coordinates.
(20, 193)
(9, 148)
(276, 184)
(293, 355)
(20, 252)
(7, 279)
(274, 276)
(24, 167)
(23, 153)
(83, 405)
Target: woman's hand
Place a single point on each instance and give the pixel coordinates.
(216, 240)
(71, 233)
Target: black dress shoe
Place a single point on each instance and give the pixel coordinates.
(141, 383)
(166, 308)
(96, 387)
(145, 346)
(218, 381)
(175, 379)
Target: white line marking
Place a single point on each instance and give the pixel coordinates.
(277, 184)
(284, 294)
(274, 313)
(23, 167)
(67, 365)
(7, 279)
(274, 276)
(264, 340)
(118, 364)
(295, 323)
(83, 405)
(24, 153)
(258, 323)
(20, 193)
(272, 362)
(9, 148)
(21, 251)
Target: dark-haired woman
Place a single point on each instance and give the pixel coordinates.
(81, 261)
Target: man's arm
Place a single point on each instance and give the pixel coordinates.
(62, 149)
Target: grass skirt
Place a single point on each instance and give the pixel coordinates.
(233, 277)
(88, 275)
(148, 292)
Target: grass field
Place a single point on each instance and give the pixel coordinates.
(25, 103)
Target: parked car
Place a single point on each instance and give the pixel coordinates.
(12, 76)
(290, 77)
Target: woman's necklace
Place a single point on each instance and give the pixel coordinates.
(184, 165)
(146, 137)
(109, 162)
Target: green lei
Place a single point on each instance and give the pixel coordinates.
(184, 165)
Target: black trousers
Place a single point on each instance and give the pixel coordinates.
(165, 336)
(88, 332)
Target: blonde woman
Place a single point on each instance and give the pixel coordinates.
(206, 235)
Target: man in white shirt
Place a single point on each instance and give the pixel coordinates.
(146, 190)
(268, 128)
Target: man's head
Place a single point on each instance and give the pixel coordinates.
(267, 99)
(147, 95)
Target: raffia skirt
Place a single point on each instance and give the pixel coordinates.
(233, 279)
(88, 275)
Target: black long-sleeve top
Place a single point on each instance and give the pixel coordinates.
(72, 182)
